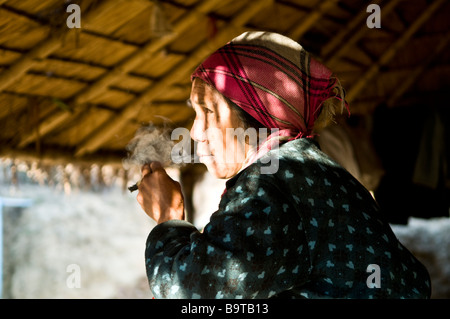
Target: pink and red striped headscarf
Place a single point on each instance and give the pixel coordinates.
(272, 78)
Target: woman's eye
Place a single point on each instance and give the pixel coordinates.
(206, 110)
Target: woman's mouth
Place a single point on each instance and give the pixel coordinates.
(205, 157)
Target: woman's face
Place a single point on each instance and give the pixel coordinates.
(218, 146)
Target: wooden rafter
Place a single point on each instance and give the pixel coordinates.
(41, 51)
(27, 61)
(418, 71)
(331, 51)
(387, 56)
(340, 39)
(45, 127)
(180, 71)
(311, 18)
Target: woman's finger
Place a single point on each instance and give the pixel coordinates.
(154, 166)
(146, 169)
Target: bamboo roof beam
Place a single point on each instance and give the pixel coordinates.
(418, 71)
(42, 50)
(145, 52)
(180, 71)
(339, 40)
(27, 61)
(332, 56)
(387, 56)
(311, 18)
(45, 127)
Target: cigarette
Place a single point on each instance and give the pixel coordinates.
(134, 187)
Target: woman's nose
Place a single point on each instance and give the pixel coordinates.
(197, 132)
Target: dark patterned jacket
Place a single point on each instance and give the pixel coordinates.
(309, 230)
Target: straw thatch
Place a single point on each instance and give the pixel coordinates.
(80, 94)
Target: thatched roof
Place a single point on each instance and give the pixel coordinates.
(81, 94)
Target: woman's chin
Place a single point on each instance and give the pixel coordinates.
(218, 170)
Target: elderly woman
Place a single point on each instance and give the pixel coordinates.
(305, 227)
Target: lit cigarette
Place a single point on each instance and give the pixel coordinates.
(134, 187)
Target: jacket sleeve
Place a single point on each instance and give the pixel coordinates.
(253, 247)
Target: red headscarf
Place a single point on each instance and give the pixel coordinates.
(272, 78)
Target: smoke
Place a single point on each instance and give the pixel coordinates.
(149, 144)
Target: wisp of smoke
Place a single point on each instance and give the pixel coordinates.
(149, 144)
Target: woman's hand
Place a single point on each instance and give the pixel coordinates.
(159, 195)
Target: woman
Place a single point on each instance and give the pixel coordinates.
(305, 227)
